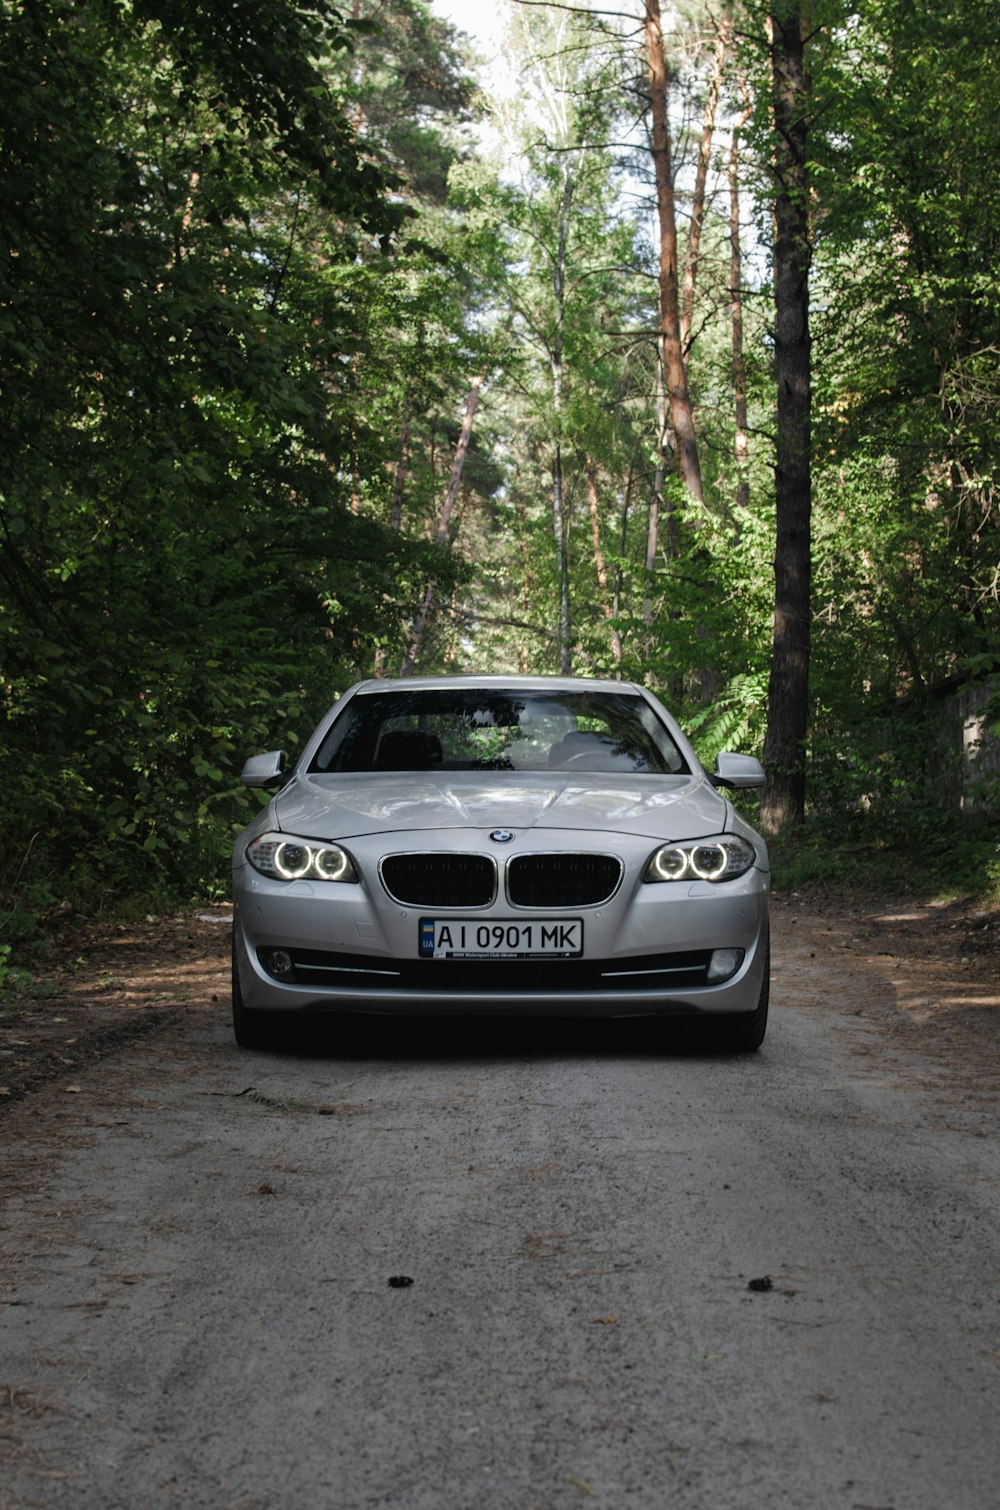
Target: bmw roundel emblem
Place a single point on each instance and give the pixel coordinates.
(501, 835)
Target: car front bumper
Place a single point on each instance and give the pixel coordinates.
(356, 951)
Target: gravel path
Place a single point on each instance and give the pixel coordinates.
(519, 1268)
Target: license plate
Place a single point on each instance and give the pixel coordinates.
(506, 938)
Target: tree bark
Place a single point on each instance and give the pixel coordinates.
(600, 563)
(700, 182)
(788, 691)
(461, 451)
(444, 520)
(742, 440)
(523, 656)
(616, 601)
(655, 499)
(355, 465)
(402, 470)
(670, 332)
(565, 633)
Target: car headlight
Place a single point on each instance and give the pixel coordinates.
(285, 857)
(721, 859)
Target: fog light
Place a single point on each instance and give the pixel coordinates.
(724, 963)
(279, 962)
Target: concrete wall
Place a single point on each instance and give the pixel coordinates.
(975, 785)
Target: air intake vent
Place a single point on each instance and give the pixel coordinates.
(373, 973)
(440, 880)
(546, 881)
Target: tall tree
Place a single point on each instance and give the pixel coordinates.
(444, 521)
(738, 368)
(675, 367)
(723, 44)
(788, 690)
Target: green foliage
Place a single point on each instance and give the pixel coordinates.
(192, 271)
(733, 721)
(907, 535)
(249, 267)
(863, 862)
(13, 978)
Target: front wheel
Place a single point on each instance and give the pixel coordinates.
(252, 1030)
(742, 1032)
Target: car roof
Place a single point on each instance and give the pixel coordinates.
(495, 682)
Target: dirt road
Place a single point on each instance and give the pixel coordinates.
(512, 1269)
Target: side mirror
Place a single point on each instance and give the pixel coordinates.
(265, 770)
(740, 772)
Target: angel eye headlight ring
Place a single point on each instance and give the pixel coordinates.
(709, 862)
(724, 858)
(292, 861)
(284, 857)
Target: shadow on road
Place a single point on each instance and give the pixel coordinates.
(456, 1039)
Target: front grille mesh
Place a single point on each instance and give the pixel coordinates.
(538, 881)
(440, 880)
(562, 880)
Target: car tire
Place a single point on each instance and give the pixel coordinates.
(252, 1030)
(743, 1032)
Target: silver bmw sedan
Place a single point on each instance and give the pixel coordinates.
(501, 845)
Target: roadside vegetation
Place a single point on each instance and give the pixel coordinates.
(670, 351)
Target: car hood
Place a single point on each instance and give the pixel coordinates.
(348, 806)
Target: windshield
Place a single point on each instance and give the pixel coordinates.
(444, 729)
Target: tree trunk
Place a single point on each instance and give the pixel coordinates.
(600, 563)
(670, 332)
(355, 464)
(461, 451)
(402, 470)
(564, 641)
(788, 692)
(616, 602)
(700, 181)
(523, 655)
(444, 520)
(565, 633)
(742, 442)
(655, 499)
